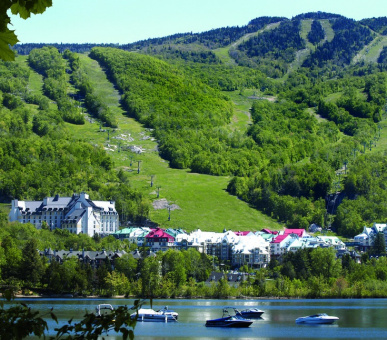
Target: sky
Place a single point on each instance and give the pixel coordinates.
(127, 21)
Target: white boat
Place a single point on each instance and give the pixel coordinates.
(250, 313)
(321, 318)
(150, 315)
(104, 309)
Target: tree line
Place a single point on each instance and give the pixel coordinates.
(48, 62)
(316, 33)
(93, 102)
(350, 37)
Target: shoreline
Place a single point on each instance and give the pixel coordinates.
(70, 296)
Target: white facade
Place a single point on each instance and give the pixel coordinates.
(381, 228)
(77, 214)
(251, 250)
(332, 241)
(204, 241)
(367, 237)
(281, 243)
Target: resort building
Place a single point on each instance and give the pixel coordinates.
(366, 239)
(251, 250)
(158, 239)
(133, 234)
(77, 214)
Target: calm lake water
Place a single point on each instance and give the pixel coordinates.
(359, 318)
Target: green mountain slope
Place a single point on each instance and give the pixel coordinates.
(270, 114)
(371, 52)
(202, 200)
(224, 53)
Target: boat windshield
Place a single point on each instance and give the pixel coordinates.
(318, 315)
(104, 309)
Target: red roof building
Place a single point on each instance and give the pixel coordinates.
(279, 238)
(158, 239)
(268, 231)
(241, 233)
(298, 232)
(278, 243)
(277, 246)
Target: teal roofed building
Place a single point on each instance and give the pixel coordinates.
(133, 234)
(175, 232)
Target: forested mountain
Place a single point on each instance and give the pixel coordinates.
(376, 24)
(309, 132)
(350, 37)
(215, 38)
(316, 33)
(257, 44)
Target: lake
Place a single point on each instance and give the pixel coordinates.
(359, 318)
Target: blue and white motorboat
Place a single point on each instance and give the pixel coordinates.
(316, 319)
(150, 315)
(250, 313)
(228, 320)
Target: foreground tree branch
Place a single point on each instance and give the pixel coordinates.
(23, 8)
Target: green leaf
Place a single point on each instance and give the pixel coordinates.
(53, 316)
(40, 6)
(25, 8)
(21, 10)
(7, 38)
(8, 294)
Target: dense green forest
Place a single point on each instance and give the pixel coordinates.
(189, 118)
(316, 33)
(383, 56)
(350, 37)
(376, 24)
(93, 103)
(278, 45)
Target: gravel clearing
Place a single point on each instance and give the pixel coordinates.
(164, 204)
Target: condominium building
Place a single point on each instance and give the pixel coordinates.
(77, 214)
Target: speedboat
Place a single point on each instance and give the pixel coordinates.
(250, 313)
(167, 311)
(321, 318)
(228, 320)
(150, 315)
(103, 309)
